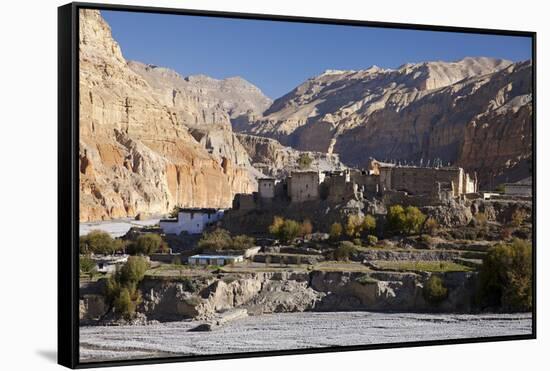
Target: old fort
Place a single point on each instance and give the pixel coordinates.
(392, 183)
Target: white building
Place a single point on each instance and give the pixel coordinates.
(108, 263)
(191, 220)
(214, 259)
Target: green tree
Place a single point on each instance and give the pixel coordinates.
(344, 251)
(289, 231)
(396, 218)
(372, 240)
(414, 219)
(276, 225)
(434, 291)
(335, 231)
(99, 242)
(219, 239)
(147, 244)
(354, 226)
(405, 220)
(285, 229)
(133, 271)
(505, 278)
(369, 224)
(126, 302)
(87, 266)
(121, 288)
(304, 161)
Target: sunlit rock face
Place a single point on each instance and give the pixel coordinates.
(146, 146)
(476, 113)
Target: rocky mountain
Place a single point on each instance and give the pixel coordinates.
(145, 145)
(475, 113)
(234, 96)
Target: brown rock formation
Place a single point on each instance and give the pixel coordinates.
(136, 151)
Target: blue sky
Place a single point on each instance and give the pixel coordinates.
(278, 56)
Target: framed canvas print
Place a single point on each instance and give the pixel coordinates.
(239, 185)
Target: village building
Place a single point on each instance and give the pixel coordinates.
(203, 259)
(303, 186)
(266, 187)
(392, 183)
(191, 220)
(522, 188)
(426, 180)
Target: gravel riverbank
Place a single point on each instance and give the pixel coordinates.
(291, 331)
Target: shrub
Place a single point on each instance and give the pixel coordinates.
(285, 230)
(414, 219)
(434, 291)
(396, 218)
(146, 244)
(121, 289)
(505, 278)
(408, 220)
(304, 161)
(335, 231)
(133, 271)
(369, 224)
(98, 242)
(87, 266)
(306, 228)
(276, 226)
(357, 242)
(372, 240)
(354, 226)
(126, 302)
(344, 251)
(431, 226)
(242, 242)
(218, 239)
(365, 279)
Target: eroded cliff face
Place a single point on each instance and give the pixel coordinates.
(475, 113)
(137, 153)
(283, 292)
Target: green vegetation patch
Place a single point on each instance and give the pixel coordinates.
(425, 266)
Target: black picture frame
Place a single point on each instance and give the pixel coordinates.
(68, 189)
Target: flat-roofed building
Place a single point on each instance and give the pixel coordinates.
(303, 186)
(191, 220)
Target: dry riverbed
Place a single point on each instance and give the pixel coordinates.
(291, 331)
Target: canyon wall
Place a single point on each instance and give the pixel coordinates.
(146, 147)
(475, 113)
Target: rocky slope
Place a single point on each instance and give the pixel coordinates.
(234, 96)
(281, 292)
(273, 159)
(475, 112)
(144, 146)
